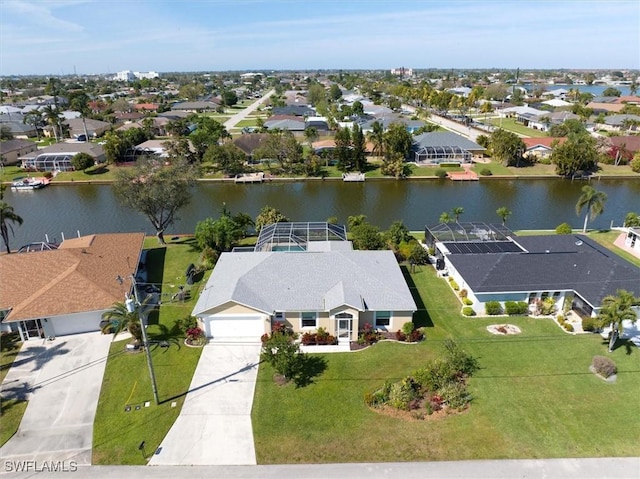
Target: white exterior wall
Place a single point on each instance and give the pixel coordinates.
(72, 323)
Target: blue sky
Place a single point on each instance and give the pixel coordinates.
(100, 36)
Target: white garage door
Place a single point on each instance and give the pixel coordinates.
(74, 324)
(236, 328)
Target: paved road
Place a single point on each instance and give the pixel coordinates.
(214, 425)
(62, 380)
(241, 115)
(612, 468)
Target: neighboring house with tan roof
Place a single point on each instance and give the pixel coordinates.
(65, 291)
(11, 150)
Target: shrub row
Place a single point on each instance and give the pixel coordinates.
(493, 308)
(515, 308)
(468, 311)
(563, 322)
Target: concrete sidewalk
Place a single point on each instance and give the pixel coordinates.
(61, 379)
(214, 426)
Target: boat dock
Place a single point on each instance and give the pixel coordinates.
(466, 175)
(250, 178)
(353, 176)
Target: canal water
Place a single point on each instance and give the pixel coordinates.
(536, 204)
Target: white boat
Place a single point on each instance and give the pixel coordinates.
(28, 183)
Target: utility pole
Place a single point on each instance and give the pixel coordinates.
(132, 306)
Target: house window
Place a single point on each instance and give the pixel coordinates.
(383, 318)
(308, 319)
(556, 294)
(278, 317)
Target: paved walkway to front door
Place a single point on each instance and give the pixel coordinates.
(214, 426)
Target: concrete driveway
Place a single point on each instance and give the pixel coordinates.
(62, 380)
(214, 426)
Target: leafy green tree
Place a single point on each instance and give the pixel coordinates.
(316, 94)
(578, 153)
(5, 133)
(507, 147)
(611, 92)
(418, 254)
(394, 165)
(7, 218)
(334, 92)
(220, 235)
(283, 147)
(366, 236)
(565, 129)
(229, 98)
(632, 220)
(397, 233)
(284, 355)
(357, 220)
(208, 132)
(503, 212)
(635, 162)
(269, 215)
(227, 158)
(358, 152)
(344, 153)
(593, 201)
(120, 319)
(157, 192)
(398, 141)
(615, 310)
(81, 161)
(564, 229)
(357, 108)
(311, 135)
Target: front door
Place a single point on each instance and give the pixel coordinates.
(33, 328)
(344, 322)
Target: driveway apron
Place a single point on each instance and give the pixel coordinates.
(214, 426)
(61, 379)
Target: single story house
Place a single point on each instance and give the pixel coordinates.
(65, 290)
(493, 264)
(307, 285)
(19, 129)
(541, 147)
(296, 127)
(248, 142)
(93, 128)
(196, 106)
(619, 147)
(58, 156)
(293, 110)
(443, 147)
(11, 150)
(621, 123)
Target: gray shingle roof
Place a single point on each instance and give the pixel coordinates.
(311, 281)
(444, 138)
(552, 263)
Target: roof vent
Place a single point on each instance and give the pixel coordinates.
(579, 243)
(546, 251)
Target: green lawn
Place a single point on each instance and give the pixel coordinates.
(534, 397)
(245, 123)
(511, 125)
(12, 410)
(118, 433)
(495, 167)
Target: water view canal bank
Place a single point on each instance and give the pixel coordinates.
(535, 203)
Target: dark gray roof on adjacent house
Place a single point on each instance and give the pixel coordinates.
(618, 120)
(309, 281)
(195, 105)
(444, 138)
(551, 263)
(15, 145)
(291, 125)
(296, 110)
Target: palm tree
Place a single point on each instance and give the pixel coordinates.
(52, 116)
(445, 218)
(7, 216)
(120, 319)
(503, 212)
(377, 138)
(615, 310)
(457, 212)
(594, 201)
